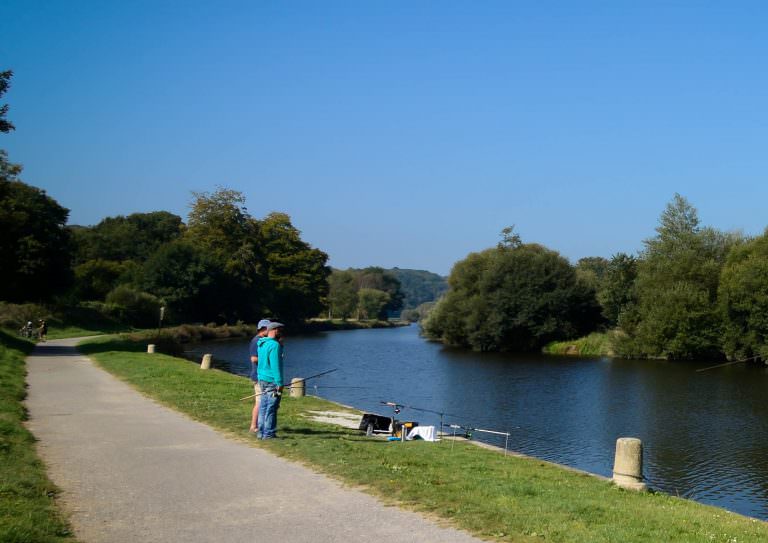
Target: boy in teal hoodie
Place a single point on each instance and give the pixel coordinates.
(270, 352)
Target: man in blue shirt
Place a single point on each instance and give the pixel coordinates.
(270, 353)
(253, 349)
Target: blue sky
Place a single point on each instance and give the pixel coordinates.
(398, 133)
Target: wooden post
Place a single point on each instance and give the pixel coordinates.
(628, 464)
(297, 387)
(206, 363)
(151, 348)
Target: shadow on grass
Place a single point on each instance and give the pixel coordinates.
(14, 342)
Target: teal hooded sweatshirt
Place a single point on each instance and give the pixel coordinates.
(270, 361)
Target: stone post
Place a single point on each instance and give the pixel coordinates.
(628, 464)
(297, 387)
(151, 348)
(206, 363)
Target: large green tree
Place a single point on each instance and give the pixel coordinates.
(135, 237)
(297, 272)
(677, 281)
(378, 278)
(264, 266)
(189, 281)
(616, 292)
(514, 297)
(743, 300)
(34, 243)
(342, 294)
(95, 279)
(371, 303)
(220, 226)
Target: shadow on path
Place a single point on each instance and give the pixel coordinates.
(41, 349)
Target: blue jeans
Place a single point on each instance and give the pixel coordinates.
(268, 406)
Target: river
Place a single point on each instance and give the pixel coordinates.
(705, 434)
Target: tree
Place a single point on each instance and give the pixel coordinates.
(219, 226)
(135, 237)
(297, 273)
(616, 293)
(371, 303)
(591, 271)
(512, 298)
(677, 281)
(189, 281)
(34, 243)
(378, 278)
(94, 279)
(509, 238)
(743, 299)
(342, 294)
(5, 83)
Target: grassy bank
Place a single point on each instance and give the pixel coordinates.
(496, 497)
(595, 344)
(27, 510)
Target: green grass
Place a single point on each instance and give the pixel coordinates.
(28, 513)
(492, 496)
(595, 344)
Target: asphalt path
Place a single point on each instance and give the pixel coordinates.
(133, 470)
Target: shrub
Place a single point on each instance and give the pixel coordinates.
(134, 306)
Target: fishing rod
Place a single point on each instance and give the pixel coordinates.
(729, 363)
(398, 406)
(468, 432)
(297, 381)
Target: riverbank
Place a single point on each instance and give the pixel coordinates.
(28, 510)
(496, 497)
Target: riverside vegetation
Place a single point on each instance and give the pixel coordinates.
(693, 292)
(490, 495)
(27, 508)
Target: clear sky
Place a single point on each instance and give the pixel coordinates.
(398, 133)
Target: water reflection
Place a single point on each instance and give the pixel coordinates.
(705, 433)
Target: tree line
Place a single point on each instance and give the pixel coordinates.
(223, 265)
(692, 292)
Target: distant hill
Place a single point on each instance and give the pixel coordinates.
(419, 286)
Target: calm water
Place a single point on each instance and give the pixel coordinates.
(705, 434)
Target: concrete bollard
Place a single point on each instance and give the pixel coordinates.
(151, 348)
(297, 387)
(628, 464)
(206, 363)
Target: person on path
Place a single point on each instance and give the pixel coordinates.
(270, 354)
(254, 375)
(42, 332)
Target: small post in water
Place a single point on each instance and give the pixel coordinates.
(206, 363)
(151, 348)
(297, 387)
(628, 464)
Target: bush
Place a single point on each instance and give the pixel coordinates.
(14, 316)
(135, 307)
(515, 297)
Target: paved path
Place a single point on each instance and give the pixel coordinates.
(132, 470)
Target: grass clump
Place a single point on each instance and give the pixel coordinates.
(27, 509)
(493, 496)
(595, 344)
